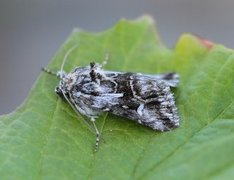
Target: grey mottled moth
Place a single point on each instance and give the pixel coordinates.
(143, 98)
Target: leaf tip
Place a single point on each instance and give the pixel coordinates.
(189, 44)
(144, 18)
(208, 44)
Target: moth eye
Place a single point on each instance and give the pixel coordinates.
(58, 91)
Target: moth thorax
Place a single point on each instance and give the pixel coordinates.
(69, 81)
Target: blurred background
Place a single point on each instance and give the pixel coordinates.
(32, 30)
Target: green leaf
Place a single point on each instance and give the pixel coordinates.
(44, 138)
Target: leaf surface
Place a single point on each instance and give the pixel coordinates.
(44, 138)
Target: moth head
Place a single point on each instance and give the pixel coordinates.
(58, 90)
(66, 83)
(61, 74)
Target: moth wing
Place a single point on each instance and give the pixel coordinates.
(150, 102)
(105, 102)
(171, 79)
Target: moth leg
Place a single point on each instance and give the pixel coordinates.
(97, 134)
(106, 59)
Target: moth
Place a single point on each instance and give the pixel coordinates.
(144, 98)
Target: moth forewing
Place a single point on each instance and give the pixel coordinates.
(146, 100)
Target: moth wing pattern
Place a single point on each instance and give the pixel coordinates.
(171, 79)
(144, 98)
(147, 99)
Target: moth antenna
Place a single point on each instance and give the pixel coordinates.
(66, 56)
(49, 71)
(61, 72)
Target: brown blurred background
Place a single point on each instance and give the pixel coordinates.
(32, 30)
